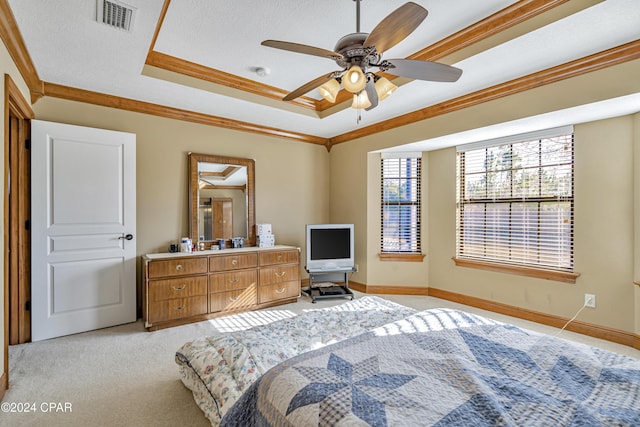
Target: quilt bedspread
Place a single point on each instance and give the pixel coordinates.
(446, 368)
(218, 369)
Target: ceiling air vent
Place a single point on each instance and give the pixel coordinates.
(115, 14)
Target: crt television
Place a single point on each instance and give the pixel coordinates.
(329, 247)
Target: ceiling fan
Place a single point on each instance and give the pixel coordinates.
(358, 52)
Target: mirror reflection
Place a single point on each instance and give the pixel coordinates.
(221, 198)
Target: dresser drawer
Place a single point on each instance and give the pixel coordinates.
(241, 279)
(177, 288)
(177, 308)
(278, 291)
(233, 300)
(178, 267)
(279, 257)
(279, 273)
(232, 262)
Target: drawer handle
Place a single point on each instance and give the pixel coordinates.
(179, 267)
(280, 275)
(178, 308)
(234, 262)
(233, 299)
(280, 291)
(179, 288)
(279, 257)
(234, 280)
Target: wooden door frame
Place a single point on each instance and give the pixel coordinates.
(16, 108)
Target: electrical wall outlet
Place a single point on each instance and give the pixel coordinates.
(590, 300)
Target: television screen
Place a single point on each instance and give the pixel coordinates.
(330, 243)
(330, 247)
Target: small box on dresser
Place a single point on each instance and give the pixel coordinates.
(264, 236)
(265, 240)
(263, 229)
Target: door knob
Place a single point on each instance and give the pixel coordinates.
(126, 237)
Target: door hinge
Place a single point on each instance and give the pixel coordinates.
(27, 306)
(27, 144)
(27, 225)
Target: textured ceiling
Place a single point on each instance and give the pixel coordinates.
(68, 47)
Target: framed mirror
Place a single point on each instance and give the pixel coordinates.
(221, 199)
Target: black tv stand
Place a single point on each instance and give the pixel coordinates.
(334, 291)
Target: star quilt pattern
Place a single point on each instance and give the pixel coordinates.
(219, 368)
(446, 368)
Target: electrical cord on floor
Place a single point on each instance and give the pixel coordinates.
(572, 319)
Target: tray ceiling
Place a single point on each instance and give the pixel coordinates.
(202, 56)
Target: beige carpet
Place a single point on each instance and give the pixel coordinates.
(126, 376)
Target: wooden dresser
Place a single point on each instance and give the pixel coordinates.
(182, 288)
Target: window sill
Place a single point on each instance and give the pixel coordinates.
(538, 273)
(402, 257)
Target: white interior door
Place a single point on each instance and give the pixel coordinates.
(83, 213)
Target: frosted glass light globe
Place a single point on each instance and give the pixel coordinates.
(354, 80)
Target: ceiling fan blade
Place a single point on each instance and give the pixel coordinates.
(424, 70)
(396, 26)
(302, 48)
(371, 94)
(308, 86)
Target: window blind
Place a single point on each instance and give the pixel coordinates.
(515, 202)
(400, 205)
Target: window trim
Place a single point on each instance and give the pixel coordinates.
(538, 273)
(402, 256)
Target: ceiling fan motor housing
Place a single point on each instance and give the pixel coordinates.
(353, 52)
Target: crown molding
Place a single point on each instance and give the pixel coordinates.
(498, 23)
(10, 35)
(111, 101)
(211, 75)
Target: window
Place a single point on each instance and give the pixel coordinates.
(515, 202)
(401, 204)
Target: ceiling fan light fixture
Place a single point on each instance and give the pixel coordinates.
(354, 79)
(355, 53)
(330, 90)
(361, 101)
(384, 88)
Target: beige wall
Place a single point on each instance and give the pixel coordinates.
(292, 181)
(604, 256)
(603, 234)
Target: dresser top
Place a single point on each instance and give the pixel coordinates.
(230, 251)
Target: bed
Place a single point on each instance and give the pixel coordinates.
(218, 369)
(437, 367)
